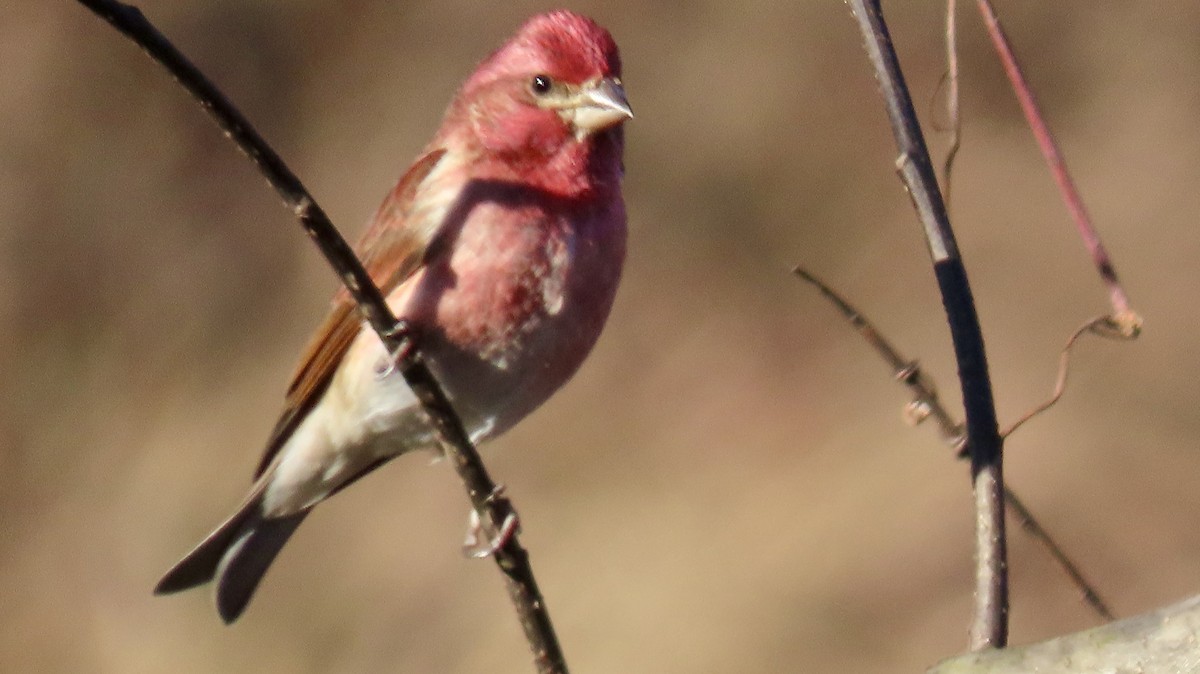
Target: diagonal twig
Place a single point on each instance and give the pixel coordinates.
(990, 622)
(926, 403)
(494, 510)
(1123, 314)
(1033, 528)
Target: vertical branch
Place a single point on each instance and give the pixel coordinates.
(990, 625)
(952, 99)
(494, 510)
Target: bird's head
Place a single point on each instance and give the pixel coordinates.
(550, 97)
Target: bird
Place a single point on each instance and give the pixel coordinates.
(501, 248)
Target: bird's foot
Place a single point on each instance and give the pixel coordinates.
(475, 544)
(406, 335)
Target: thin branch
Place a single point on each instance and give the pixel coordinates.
(952, 97)
(1129, 321)
(494, 510)
(925, 404)
(989, 627)
(1033, 528)
(1125, 323)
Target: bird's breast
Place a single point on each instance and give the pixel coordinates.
(502, 282)
(511, 308)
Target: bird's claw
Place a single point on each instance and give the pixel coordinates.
(475, 546)
(405, 334)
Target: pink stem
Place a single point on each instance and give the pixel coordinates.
(1054, 159)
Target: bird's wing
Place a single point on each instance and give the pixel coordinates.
(392, 250)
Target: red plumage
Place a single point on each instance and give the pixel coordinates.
(502, 245)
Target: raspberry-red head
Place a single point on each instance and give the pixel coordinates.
(545, 107)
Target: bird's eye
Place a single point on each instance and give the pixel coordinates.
(541, 85)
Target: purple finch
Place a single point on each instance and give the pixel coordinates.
(501, 247)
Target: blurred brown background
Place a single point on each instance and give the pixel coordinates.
(727, 485)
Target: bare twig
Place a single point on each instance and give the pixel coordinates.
(990, 625)
(1124, 323)
(1033, 528)
(926, 404)
(1128, 320)
(493, 510)
(952, 98)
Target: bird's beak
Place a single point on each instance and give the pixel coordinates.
(599, 105)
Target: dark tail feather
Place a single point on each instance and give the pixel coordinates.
(248, 558)
(237, 554)
(200, 565)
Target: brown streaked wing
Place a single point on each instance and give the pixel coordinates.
(391, 252)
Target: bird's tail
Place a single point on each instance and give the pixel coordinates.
(236, 554)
